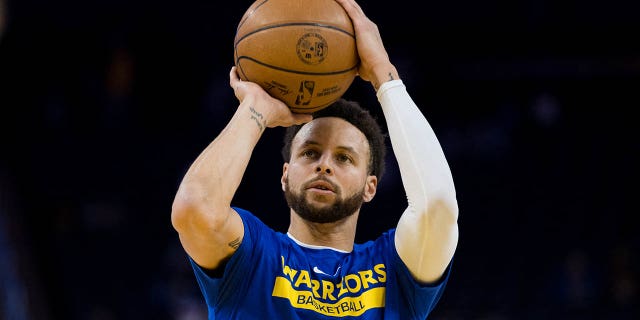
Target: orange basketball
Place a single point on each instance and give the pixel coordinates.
(302, 52)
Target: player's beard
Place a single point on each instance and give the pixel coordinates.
(339, 210)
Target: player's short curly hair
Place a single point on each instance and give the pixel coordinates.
(353, 113)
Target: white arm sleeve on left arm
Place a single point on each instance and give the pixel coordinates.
(427, 232)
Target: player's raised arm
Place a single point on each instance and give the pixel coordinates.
(210, 231)
(427, 233)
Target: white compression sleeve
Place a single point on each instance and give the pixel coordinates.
(423, 167)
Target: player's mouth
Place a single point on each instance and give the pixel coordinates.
(321, 186)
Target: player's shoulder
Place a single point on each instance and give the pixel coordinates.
(253, 225)
(248, 216)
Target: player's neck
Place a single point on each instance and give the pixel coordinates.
(338, 235)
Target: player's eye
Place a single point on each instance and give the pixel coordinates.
(309, 153)
(344, 158)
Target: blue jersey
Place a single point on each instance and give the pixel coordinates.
(272, 276)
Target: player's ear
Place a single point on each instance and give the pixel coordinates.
(370, 188)
(283, 179)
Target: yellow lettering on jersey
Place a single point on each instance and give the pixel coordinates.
(352, 283)
(367, 277)
(382, 274)
(288, 271)
(316, 287)
(343, 288)
(327, 290)
(304, 278)
(347, 306)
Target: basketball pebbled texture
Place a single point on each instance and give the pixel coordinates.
(302, 52)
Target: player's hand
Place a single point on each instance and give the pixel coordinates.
(275, 113)
(375, 65)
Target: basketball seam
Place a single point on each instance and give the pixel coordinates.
(295, 71)
(319, 25)
(249, 14)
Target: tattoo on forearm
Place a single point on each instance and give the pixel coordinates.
(257, 117)
(235, 243)
(390, 76)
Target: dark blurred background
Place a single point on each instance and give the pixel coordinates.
(104, 104)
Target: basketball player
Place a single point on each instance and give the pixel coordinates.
(333, 163)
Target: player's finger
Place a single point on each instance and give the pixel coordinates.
(234, 80)
(351, 7)
(300, 118)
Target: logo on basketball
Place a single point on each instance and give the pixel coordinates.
(312, 48)
(305, 92)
